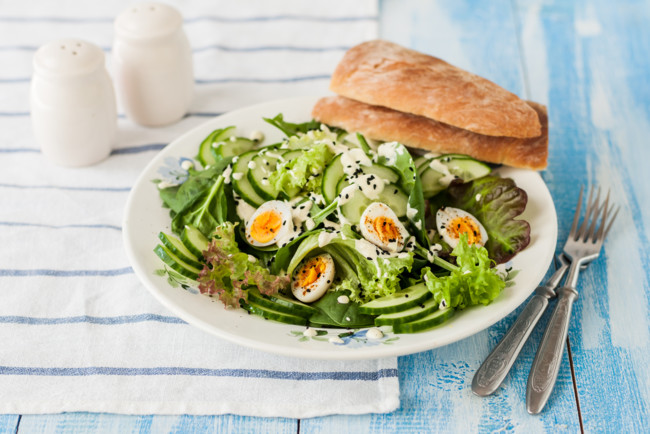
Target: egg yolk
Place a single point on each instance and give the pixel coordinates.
(386, 229)
(464, 225)
(266, 226)
(311, 271)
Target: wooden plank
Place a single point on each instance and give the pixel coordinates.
(595, 69)
(8, 423)
(482, 37)
(116, 423)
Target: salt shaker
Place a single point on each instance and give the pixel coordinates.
(152, 64)
(73, 111)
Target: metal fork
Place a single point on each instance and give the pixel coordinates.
(582, 247)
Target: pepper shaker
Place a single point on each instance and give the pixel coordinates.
(152, 64)
(73, 111)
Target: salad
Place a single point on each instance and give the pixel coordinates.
(327, 229)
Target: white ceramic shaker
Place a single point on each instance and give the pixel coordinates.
(73, 110)
(152, 64)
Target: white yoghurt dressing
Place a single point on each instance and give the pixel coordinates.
(256, 136)
(227, 174)
(324, 238)
(165, 184)
(374, 333)
(187, 165)
(309, 332)
(389, 151)
(343, 299)
(244, 210)
(353, 159)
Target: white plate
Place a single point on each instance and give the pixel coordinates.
(144, 218)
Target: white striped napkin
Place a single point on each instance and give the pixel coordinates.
(78, 332)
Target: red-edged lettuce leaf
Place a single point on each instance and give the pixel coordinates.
(499, 202)
(229, 271)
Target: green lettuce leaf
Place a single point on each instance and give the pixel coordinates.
(291, 176)
(499, 202)
(474, 282)
(229, 271)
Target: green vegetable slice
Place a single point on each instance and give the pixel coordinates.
(398, 301)
(428, 322)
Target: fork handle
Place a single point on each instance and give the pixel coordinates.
(496, 366)
(546, 365)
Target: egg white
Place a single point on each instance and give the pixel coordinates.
(374, 211)
(445, 215)
(319, 287)
(280, 207)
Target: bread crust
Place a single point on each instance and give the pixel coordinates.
(386, 74)
(380, 123)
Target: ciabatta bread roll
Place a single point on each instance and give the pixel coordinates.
(380, 123)
(385, 74)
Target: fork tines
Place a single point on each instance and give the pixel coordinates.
(594, 209)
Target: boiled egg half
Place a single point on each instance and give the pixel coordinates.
(313, 277)
(380, 225)
(452, 222)
(269, 223)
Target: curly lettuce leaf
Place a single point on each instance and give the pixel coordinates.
(499, 202)
(474, 282)
(293, 175)
(229, 271)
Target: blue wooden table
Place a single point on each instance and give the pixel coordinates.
(589, 62)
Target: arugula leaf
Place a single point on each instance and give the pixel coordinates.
(500, 201)
(394, 154)
(474, 282)
(291, 129)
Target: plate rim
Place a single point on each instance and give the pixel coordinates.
(328, 351)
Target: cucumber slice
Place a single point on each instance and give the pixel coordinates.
(462, 166)
(194, 240)
(275, 315)
(409, 315)
(177, 247)
(242, 186)
(426, 323)
(392, 195)
(206, 156)
(292, 154)
(230, 148)
(332, 174)
(175, 263)
(280, 303)
(383, 172)
(398, 301)
(258, 176)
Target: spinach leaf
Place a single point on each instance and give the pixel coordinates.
(333, 313)
(200, 213)
(179, 197)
